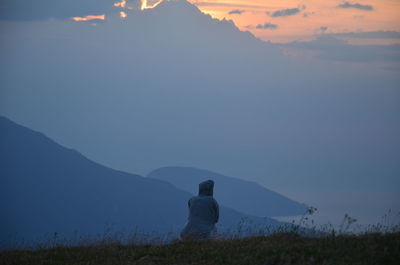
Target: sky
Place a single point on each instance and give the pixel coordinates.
(313, 114)
(289, 20)
(286, 21)
(278, 21)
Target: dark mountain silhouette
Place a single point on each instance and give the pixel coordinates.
(244, 196)
(47, 188)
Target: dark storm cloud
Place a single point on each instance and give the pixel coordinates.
(357, 6)
(307, 14)
(27, 10)
(323, 28)
(267, 26)
(236, 12)
(285, 12)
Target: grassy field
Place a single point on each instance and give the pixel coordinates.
(371, 249)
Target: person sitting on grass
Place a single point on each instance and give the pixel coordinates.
(203, 214)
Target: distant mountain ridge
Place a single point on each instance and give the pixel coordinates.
(241, 195)
(46, 188)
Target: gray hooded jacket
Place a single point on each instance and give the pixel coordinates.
(203, 213)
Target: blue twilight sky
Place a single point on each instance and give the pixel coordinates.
(318, 121)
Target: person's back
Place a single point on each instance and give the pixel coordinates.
(203, 213)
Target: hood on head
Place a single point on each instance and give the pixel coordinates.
(206, 188)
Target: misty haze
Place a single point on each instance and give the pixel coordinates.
(113, 112)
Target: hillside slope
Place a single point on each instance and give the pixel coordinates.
(47, 188)
(278, 249)
(244, 196)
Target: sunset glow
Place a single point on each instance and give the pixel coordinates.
(287, 21)
(90, 17)
(146, 5)
(120, 4)
(302, 20)
(122, 14)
